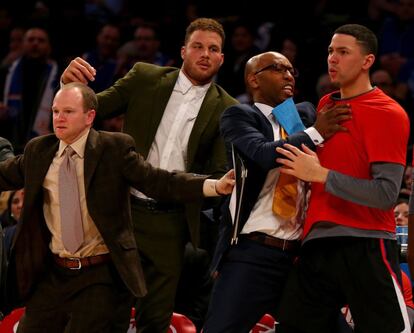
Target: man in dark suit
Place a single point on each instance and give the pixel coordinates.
(89, 288)
(257, 246)
(173, 115)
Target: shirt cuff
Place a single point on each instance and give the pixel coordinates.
(314, 135)
(209, 188)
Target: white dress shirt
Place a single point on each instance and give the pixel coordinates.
(169, 149)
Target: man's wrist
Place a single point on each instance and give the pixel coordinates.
(210, 188)
(322, 175)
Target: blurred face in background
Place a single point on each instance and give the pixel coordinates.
(17, 204)
(36, 44)
(146, 42)
(401, 214)
(108, 41)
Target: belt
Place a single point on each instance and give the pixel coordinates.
(283, 244)
(78, 263)
(155, 206)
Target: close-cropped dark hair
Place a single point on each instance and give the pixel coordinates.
(90, 101)
(362, 34)
(205, 24)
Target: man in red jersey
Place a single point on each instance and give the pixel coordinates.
(349, 253)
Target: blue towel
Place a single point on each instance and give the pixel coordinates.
(288, 117)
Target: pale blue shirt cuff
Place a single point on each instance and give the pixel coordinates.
(314, 135)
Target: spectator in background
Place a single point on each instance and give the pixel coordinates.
(241, 49)
(144, 48)
(12, 213)
(28, 91)
(325, 85)
(383, 80)
(401, 212)
(407, 182)
(11, 217)
(103, 57)
(15, 46)
(397, 48)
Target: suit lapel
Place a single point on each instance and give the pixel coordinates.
(161, 98)
(93, 152)
(207, 108)
(46, 158)
(268, 129)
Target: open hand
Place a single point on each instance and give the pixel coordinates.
(329, 119)
(304, 164)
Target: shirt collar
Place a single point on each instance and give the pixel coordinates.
(184, 85)
(78, 146)
(265, 109)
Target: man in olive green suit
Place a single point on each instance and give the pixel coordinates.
(173, 115)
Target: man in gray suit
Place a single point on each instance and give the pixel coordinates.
(89, 288)
(173, 115)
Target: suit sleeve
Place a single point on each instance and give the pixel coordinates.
(158, 183)
(6, 149)
(114, 100)
(12, 174)
(243, 128)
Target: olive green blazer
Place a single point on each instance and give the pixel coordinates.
(143, 95)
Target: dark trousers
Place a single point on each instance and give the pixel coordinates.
(161, 239)
(332, 272)
(249, 285)
(92, 299)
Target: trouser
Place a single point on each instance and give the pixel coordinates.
(161, 238)
(92, 299)
(249, 285)
(332, 272)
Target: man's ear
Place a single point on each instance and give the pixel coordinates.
(91, 116)
(368, 62)
(182, 52)
(251, 81)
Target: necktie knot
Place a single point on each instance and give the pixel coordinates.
(70, 152)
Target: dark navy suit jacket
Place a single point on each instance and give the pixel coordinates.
(251, 134)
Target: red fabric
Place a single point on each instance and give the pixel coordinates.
(378, 132)
(8, 323)
(407, 290)
(181, 324)
(265, 324)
